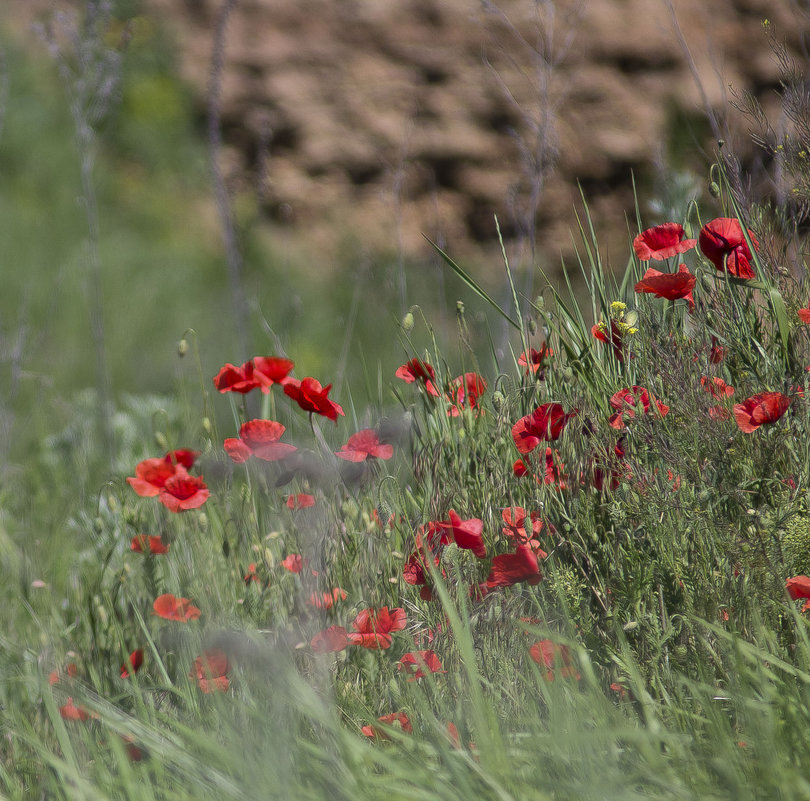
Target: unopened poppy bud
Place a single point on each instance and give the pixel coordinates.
(98, 525)
(407, 323)
(161, 441)
(182, 347)
(539, 302)
(497, 401)
(532, 327)
(714, 189)
(203, 520)
(206, 424)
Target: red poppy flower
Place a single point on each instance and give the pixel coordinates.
(149, 544)
(520, 469)
(804, 315)
(671, 286)
(554, 657)
(761, 409)
(716, 387)
(251, 574)
(661, 242)
(294, 562)
(55, 676)
(612, 467)
(312, 397)
(263, 371)
(373, 627)
(799, 587)
(182, 492)
(134, 752)
(717, 352)
(627, 401)
(536, 358)
(169, 607)
(72, 712)
(150, 476)
(515, 519)
(231, 378)
(417, 370)
(365, 444)
(511, 568)
(615, 338)
(329, 640)
(133, 663)
(465, 533)
(395, 717)
(300, 501)
(544, 423)
(723, 244)
(210, 671)
(259, 438)
(417, 664)
(465, 390)
(326, 600)
(415, 570)
(269, 370)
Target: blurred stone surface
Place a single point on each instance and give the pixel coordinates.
(384, 120)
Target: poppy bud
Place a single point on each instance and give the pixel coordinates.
(203, 521)
(714, 189)
(161, 441)
(407, 323)
(532, 327)
(98, 525)
(498, 401)
(182, 347)
(206, 424)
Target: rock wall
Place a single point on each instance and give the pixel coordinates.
(388, 119)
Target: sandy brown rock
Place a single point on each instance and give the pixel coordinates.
(390, 119)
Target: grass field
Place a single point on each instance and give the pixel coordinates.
(565, 562)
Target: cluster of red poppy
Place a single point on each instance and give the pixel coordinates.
(167, 477)
(462, 392)
(372, 628)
